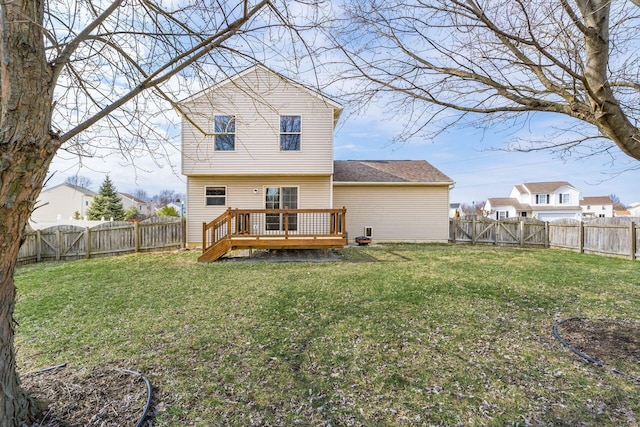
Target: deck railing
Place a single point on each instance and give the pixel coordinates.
(274, 223)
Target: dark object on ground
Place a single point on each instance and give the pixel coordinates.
(363, 240)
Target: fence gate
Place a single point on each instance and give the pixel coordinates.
(63, 242)
(514, 231)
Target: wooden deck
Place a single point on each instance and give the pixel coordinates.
(273, 229)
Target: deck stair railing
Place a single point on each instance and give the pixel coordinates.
(267, 227)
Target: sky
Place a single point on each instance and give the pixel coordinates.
(471, 158)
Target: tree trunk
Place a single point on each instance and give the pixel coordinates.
(609, 117)
(26, 150)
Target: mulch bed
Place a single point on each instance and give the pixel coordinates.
(608, 341)
(77, 397)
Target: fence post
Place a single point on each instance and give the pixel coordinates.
(38, 246)
(547, 237)
(58, 244)
(184, 232)
(87, 243)
(452, 230)
(581, 237)
(521, 227)
(473, 229)
(633, 248)
(136, 236)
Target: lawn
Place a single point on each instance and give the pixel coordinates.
(389, 335)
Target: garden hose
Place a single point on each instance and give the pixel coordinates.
(585, 356)
(146, 381)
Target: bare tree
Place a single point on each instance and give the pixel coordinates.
(445, 62)
(141, 194)
(617, 203)
(79, 180)
(76, 75)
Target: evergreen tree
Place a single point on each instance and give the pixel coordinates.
(107, 204)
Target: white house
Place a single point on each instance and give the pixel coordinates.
(141, 206)
(59, 204)
(634, 209)
(260, 141)
(597, 207)
(545, 201)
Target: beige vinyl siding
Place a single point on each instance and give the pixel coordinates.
(61, 202)
(314, 192)
(257, 100)
(396, 213)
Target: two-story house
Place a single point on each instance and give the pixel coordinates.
(61, 203)
(545, 201)
(259, 147)
(597, 207)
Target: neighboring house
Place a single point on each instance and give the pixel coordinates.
(455, 210)
(141, 206)
(545, 201)
(259, 140)
(634, 209)
(597, 207)
(62, 203)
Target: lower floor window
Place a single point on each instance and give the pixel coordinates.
(215, 196)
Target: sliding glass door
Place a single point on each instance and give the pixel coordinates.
(281, 198)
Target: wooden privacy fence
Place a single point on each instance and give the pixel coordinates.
(610, 236)
(525, 232)
(70, 242)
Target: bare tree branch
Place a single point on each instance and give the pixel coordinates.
(492, 60)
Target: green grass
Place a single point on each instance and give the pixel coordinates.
(391, 335)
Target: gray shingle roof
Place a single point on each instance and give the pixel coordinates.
(409, 171)
(596, 200)
(543, 187)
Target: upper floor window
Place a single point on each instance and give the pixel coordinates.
(542, 199)
(215, 196)
(290, 131)
(564, 198)
(225, 133)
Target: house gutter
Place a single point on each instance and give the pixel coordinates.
(392, 184)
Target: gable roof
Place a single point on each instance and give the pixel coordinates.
(507, 201)
(542, 187)
(337, 107)
(388, 171)
(133, 198)
(596, 200)
(74, 187)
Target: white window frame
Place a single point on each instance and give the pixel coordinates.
(280, 133)
(540, 197)
(564, 198)
(206, 197)
(293, 228)
(232, 119)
